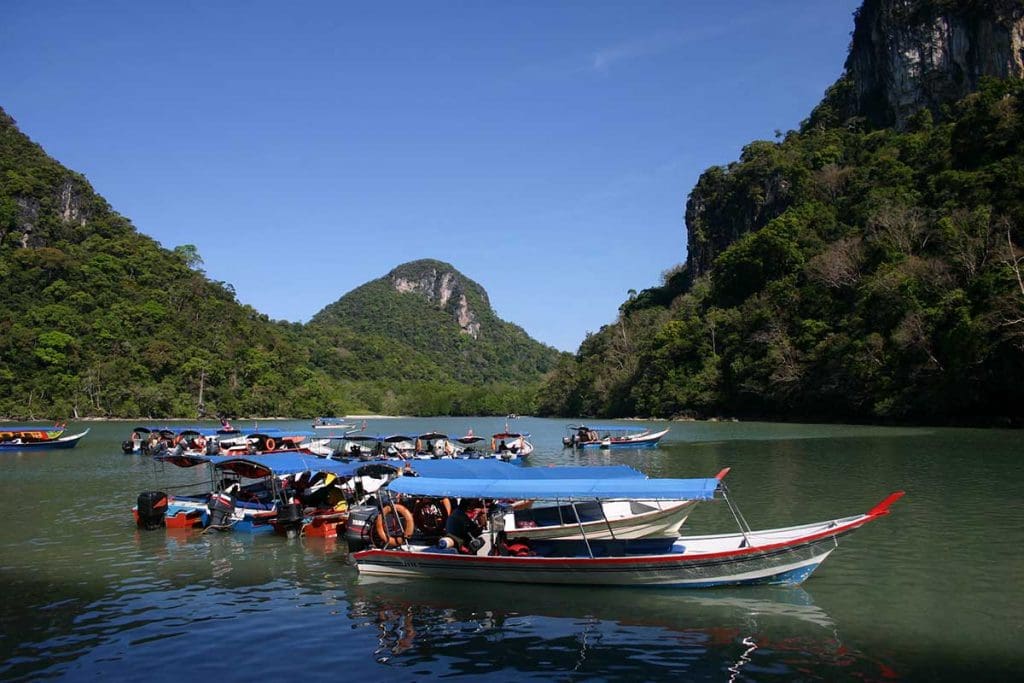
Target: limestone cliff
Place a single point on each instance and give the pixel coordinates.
(906, 56)
(909, 55)
(442, 286)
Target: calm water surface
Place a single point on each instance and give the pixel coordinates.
(934, 591)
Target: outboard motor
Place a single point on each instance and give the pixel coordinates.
(289, 518)
(358, 528)
(222, 508)
(152, 507)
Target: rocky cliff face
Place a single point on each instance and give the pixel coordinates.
(906, 56)
(909, 55)
(722, 208)
(441, 285)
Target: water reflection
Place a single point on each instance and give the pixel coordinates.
(612, 633)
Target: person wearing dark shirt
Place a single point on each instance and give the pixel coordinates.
(460, 526)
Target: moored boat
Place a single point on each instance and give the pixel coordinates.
(334, 423)
(611, 436)
(773, 556)
(31, 433)
(508, 445)
(18, 442)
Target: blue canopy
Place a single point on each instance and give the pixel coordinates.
(612, 428)
(631, 488)
(491, 468)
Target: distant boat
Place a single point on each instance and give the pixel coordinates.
(510, 445)
(582, 436)
(332, 423)
(18, 444)
(31, 432)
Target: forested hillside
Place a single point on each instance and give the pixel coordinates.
(97, 319)
(436, 321)
(867, 266)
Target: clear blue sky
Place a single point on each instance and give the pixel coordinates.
(545, 149)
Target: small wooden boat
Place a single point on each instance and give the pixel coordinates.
(510, 445)
(582, 436)
(773, 556)
(17, 443)
(31, 433)
(332, 423)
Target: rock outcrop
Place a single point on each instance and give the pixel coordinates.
(906, 56)
(443, 287)
(909, 55)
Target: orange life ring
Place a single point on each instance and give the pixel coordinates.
(407, 525)
(270, 444)
(431, 521)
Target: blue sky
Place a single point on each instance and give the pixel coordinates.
(545, 149)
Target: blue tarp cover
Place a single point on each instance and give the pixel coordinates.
(496, 469)
(633, 488)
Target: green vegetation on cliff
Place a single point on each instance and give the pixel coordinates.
(436, 322)
(842, 272)
(97, 319)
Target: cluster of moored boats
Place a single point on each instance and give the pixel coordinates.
(344, 442)
(407, 509)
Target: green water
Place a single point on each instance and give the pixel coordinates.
(933, 591)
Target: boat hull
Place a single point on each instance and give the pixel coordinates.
(641, 441)
(789, 567)
(776, 556)
(53, 444)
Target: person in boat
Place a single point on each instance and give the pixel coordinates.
(502, 447)
(462, 526)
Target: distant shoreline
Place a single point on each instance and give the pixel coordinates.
(193, 419)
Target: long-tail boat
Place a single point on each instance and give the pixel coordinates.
(28, 438)
(773, 556)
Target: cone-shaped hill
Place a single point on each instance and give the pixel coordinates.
(438, 322)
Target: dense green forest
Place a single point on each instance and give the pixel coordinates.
(426, 338)
(871, 273)
(867, 266)
(97, 319)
